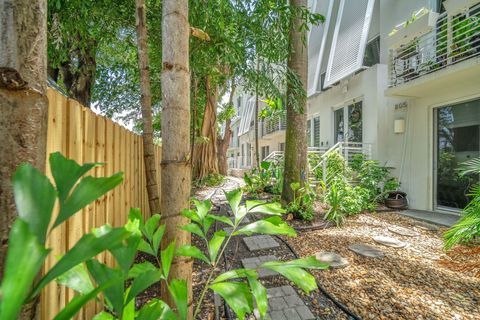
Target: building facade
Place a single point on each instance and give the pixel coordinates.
(400, 79)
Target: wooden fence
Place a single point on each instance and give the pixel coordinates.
(80, 134)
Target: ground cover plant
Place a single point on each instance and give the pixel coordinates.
(467, 229)
(80, 271)
(302, 205)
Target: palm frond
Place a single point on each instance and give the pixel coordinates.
(470, 167)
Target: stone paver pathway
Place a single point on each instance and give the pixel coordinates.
(333, 259)
(389, 241)
(260, 242)
(285, 304)
(403, 231)
(255, 262)
(366, 250)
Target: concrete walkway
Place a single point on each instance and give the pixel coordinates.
(439, 218)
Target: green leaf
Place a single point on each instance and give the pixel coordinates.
(265, 165)
(77, 279)
(87, 247)
(66, 173)
(103, 316)
(140, 268)
(135, 214)
(115, 292)
(154, 310)
(236, 274)
(142, 282)
(25, 257)
(167, 258)
(145, 247)
(191, 251)
(260, 294)
(215, 244)
(234, 197)
(294, 271)
(194, 228)
(237, 295)
(203, 207)
(151, 226)
(258, 206)
(34, 197)
(79, 301)
(157, 238)
(295, 186)
(272, 225)
(191, 214)
(87, 190)
(125, 254)
(178, 291)
(223, 219)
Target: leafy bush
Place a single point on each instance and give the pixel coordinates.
(467, 229)
(79, 270)
(267, 178)
(35, 197)
(211, 180)
(302, 204)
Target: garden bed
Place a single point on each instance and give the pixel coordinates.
(419, 281)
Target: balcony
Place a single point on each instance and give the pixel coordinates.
(448, 51)
(273, 124)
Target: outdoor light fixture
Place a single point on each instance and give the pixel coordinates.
(399, 126)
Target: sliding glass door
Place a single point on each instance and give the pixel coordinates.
(457, 137)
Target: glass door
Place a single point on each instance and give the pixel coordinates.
(457, 135)
(350, 130)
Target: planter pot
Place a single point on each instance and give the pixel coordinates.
(454, 7)
(396, 200)
(419, 27)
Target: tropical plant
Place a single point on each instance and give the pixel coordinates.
(302, 204)
(211, 180)
(259, 179)
(467, 229)
(35, 198)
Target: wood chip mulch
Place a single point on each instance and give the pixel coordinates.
(420, 281)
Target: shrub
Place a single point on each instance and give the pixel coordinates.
(467, 229)
(211, 180)
(267, 178)
(302, 204)
(79, 270)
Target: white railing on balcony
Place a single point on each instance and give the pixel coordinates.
(273, 124)
(452, 40)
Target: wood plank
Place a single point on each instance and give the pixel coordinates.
(109, 170)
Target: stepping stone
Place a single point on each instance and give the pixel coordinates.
(260, 242)
(403, 231)
(389, 241)
(285, 304)
(426, 226)
(255, 262)
(366, 250)
(333, 259)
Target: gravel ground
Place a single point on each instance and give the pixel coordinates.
(419, 281)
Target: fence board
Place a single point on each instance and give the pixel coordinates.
(81, 135)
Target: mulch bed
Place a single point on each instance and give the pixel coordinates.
(419, 281)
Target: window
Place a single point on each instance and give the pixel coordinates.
(243, 154)
(316, 132)
(349, 39)
(281, 146)
(246, 117)
(372, 53)
(265, 151)
(339, 125)
(239, 105)
(249, 154)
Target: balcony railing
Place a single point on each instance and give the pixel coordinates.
(453, 39)
(273, 124)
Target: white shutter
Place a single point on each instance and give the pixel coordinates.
(246, 116)
(349, 39)
(316, 44)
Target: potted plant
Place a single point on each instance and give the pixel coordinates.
(454, 7)
(420, 23)
(396, 200)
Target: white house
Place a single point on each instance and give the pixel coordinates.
(400, 81)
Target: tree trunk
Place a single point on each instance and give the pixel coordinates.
(146, 102)
(296, 133)
(224, 142)
(23, 104)
(176, 174)
(206, 151)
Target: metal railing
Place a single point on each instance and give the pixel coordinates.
(347, 150)
(273, 124)
(452, 40)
